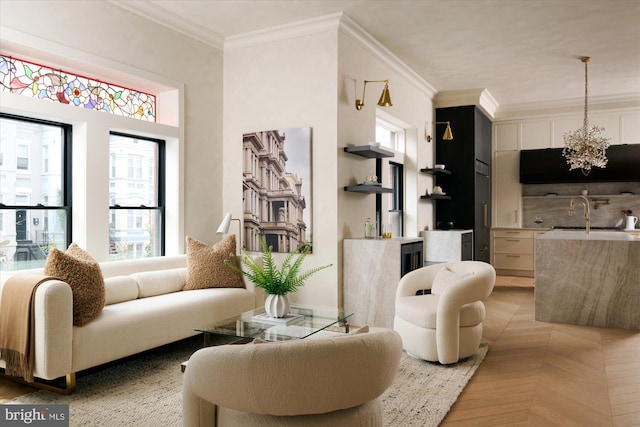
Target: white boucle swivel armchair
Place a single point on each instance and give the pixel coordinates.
(334, 381)
(444, 325)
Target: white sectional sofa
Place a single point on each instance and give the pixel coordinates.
(145, 308)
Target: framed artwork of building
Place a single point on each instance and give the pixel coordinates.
(276, 188)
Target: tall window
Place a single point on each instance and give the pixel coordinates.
(390, 135)
(35, 190)
(396, 199)
(136, 196)
(389, 207)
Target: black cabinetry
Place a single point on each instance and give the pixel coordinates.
(412, 257)
(468, 157)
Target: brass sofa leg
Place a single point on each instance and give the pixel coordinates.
(69, 383)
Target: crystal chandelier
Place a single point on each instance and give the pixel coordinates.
(584, 148)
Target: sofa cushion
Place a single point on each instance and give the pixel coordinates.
(206, 267)
(444, 278)
(151, 283)
(120, 289)
(77, 268)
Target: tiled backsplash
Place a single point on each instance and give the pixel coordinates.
(550, 202)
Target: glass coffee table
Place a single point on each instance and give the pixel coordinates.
(303, 322)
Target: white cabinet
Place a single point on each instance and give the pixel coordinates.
(514, 251)
(506, 137)
(630, 124)
(507, 190)
(536, 134)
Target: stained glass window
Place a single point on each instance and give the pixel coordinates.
(39, 81)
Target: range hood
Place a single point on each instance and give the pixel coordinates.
(548, 166)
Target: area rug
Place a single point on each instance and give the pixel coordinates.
(146, 390)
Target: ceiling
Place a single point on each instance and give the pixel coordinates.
(524, 52)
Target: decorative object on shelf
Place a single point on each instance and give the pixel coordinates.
(369, 229)
(444, 225)
(386, 231)
(438, 190)
(448, 134)
(385, 98)
(223, 228)
(274, 281)
(438, 166)
(371, 180)
(585, 148)
(371, 152)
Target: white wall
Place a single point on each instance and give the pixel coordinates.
(360, 59)
(296, 80)
(142, 54)
(291, 80)
(285, 83)
(412, 105)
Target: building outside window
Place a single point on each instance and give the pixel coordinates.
(136, 196)
(35, 193)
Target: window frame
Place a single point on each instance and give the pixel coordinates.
(66, 172)
(161, 190)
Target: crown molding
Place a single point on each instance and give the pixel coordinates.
(350, 28)
(567, 106)
(165, 18)
(479, 97)
(335, 21)
(306, 27)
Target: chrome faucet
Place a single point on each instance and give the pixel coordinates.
(587, 211)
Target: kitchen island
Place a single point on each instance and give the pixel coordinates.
(588, 279)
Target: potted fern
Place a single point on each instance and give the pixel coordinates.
(277, 283)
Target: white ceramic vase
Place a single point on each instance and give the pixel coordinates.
(277, 305)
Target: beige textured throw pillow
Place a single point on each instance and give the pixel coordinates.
(206, 267)
(77, 268)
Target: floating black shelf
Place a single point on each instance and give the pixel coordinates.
(367, 189)
(434, 171)
(435, 197)
(370, 151)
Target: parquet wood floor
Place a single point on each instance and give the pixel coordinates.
(537, 374)
(544, 374)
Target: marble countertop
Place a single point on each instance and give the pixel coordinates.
(454, 230)
(393, 239)
(581, 235)
(522, 228)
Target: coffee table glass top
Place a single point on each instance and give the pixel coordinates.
(307, 322)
